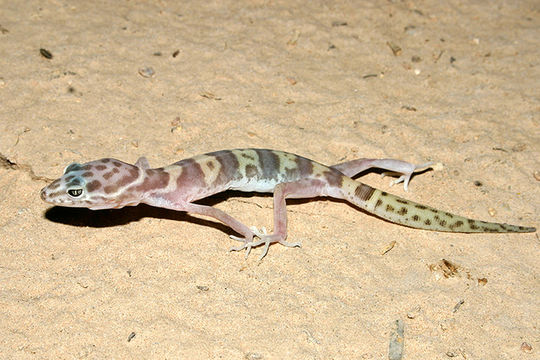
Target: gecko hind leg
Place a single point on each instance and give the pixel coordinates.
(403, 169)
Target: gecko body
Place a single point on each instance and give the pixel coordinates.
(110, 183)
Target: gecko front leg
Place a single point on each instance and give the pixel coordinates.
(302, 189)
(217, 214)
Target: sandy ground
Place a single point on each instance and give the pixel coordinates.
(456, 83)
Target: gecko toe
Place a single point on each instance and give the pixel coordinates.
(237, 238)
(290, 244)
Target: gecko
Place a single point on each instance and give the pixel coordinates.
(109, 183)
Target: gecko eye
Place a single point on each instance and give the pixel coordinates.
(75, 193)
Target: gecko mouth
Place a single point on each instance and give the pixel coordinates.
(43, 195)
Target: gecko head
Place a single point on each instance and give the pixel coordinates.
(100, 184)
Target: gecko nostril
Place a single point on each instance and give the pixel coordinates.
(42, 193)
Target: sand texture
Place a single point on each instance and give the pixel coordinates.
(453, 82)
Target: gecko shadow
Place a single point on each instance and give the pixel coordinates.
(83, 217)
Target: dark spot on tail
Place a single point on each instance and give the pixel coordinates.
(364, 192)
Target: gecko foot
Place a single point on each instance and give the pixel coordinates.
(264, 238)
(406, 172)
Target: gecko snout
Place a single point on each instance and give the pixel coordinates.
(43, 194)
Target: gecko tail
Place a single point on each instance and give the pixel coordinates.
(409, 213)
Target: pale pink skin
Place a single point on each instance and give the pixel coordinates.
(110, 183)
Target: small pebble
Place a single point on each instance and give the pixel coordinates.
(46, 53)
(146, 72)
(410, 29)
(537, 175)
(388, 247)
(413, 314)
(458, 305)
(396, 49)
(131, 336)
(253, 356)
(526, 347)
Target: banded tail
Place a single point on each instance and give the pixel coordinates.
(408, 213)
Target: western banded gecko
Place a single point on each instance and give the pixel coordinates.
(110, 183)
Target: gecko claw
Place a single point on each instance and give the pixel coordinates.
(264, 239)
(249, 244)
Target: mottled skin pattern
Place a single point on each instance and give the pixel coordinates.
(110, 183)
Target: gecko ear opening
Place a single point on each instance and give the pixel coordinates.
(71, 167)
